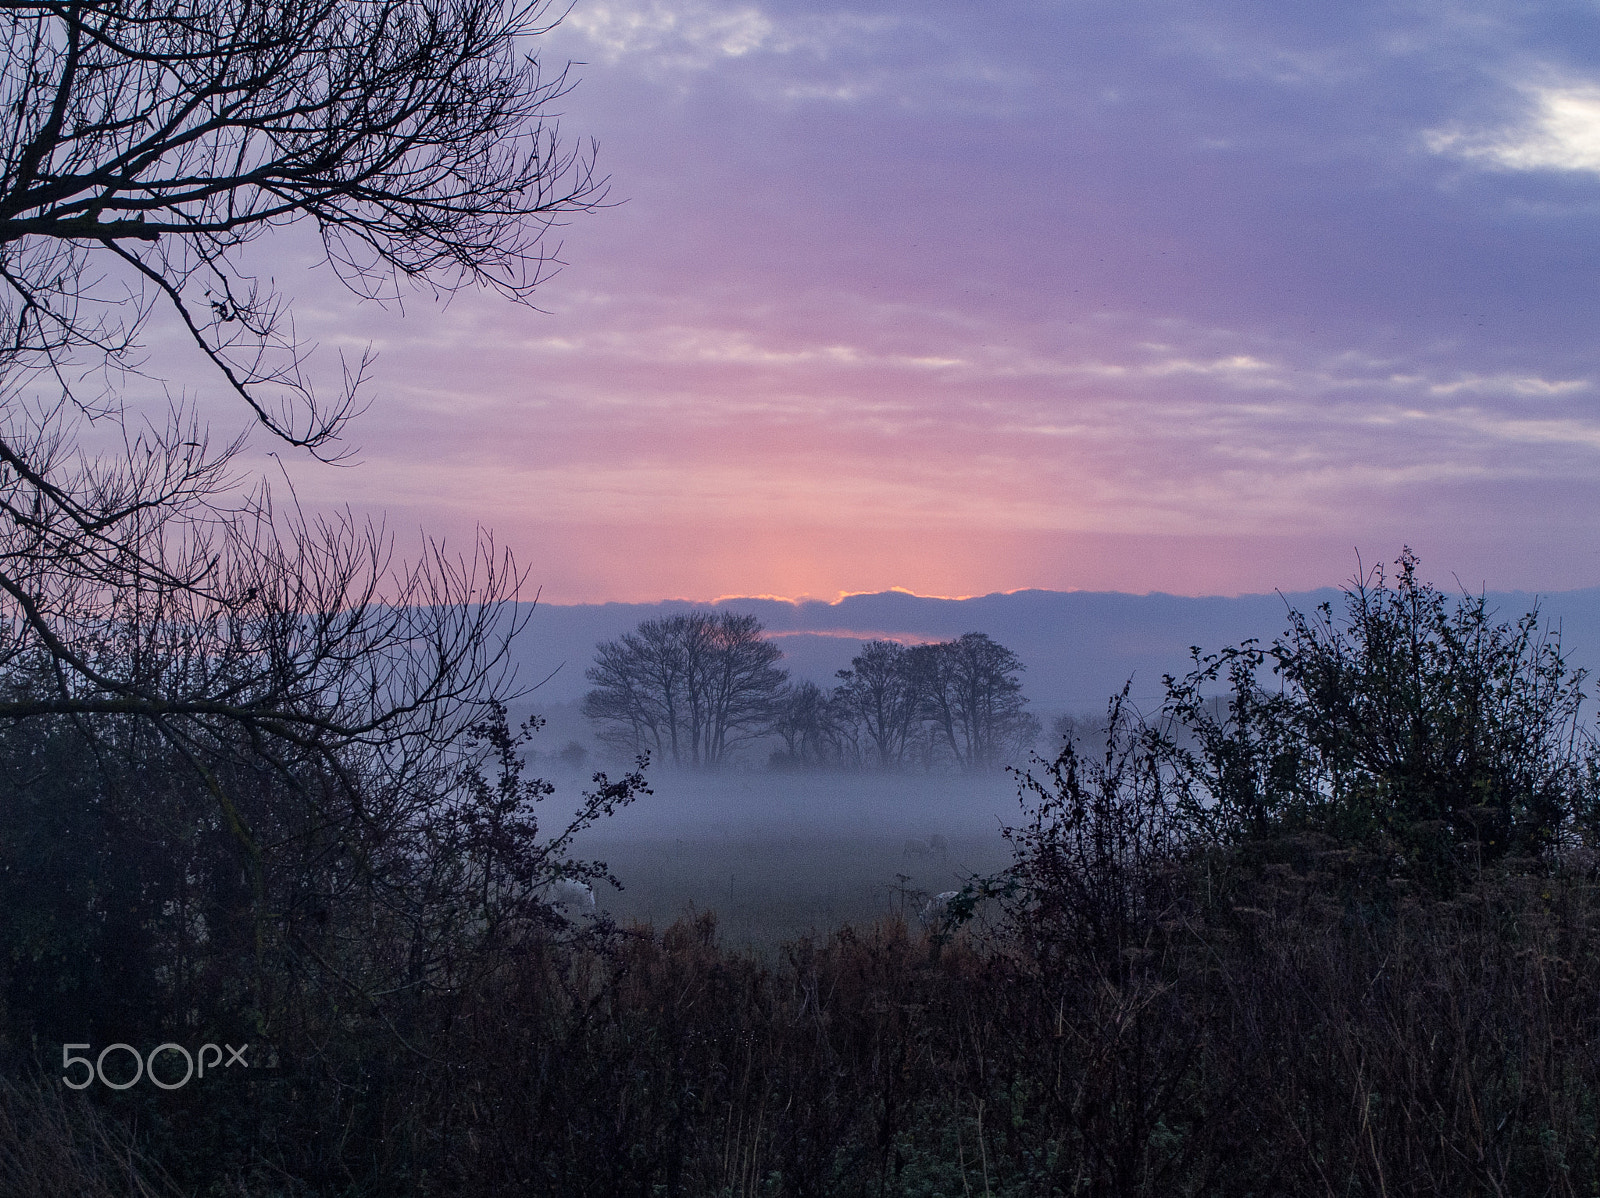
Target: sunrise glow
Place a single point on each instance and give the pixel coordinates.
(1082, 297)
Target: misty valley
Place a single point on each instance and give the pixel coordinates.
(777, 856)
(1329, 903)
(871, 600)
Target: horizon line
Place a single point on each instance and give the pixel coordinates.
(841, 596)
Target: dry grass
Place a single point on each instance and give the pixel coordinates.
(1292, 1020)
(52, 1146)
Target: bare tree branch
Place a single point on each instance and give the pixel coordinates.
(143, 148)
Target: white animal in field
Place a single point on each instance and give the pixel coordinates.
(570, 894)
(937, 911)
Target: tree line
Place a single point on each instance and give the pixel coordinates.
(692, 688)
(687, 689)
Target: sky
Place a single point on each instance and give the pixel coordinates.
(1203, 298)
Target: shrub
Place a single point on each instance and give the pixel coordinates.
(1409, 719)
(1099, 835)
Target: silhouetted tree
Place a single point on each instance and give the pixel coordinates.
(264, 710)
(881, 692)
(639, 686)
(145, 148)
(956, 702)
(805, 717)
(688, 688)
(974, 700)
(165, 140)
(1407, 716)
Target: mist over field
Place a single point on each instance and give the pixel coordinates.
(779, 853)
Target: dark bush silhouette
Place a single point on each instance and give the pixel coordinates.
(1426, 725)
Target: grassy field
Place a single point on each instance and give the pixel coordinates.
(777, 856)
(767, 889)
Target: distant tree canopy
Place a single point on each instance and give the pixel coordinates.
(691, 688)
(687, 688)
(954, 703)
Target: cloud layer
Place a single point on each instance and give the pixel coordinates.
(1067, 294)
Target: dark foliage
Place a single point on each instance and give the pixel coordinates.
(1427, 727)
(1289, 1022)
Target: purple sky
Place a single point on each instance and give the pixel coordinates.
(965, 298)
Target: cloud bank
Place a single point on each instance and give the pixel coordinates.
(1165, 296)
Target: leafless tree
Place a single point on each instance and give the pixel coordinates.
(882, 694)
(639, 686)
(143, 148)
(804, 716)
(974, 701)
(164, 139)
(689, 688)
